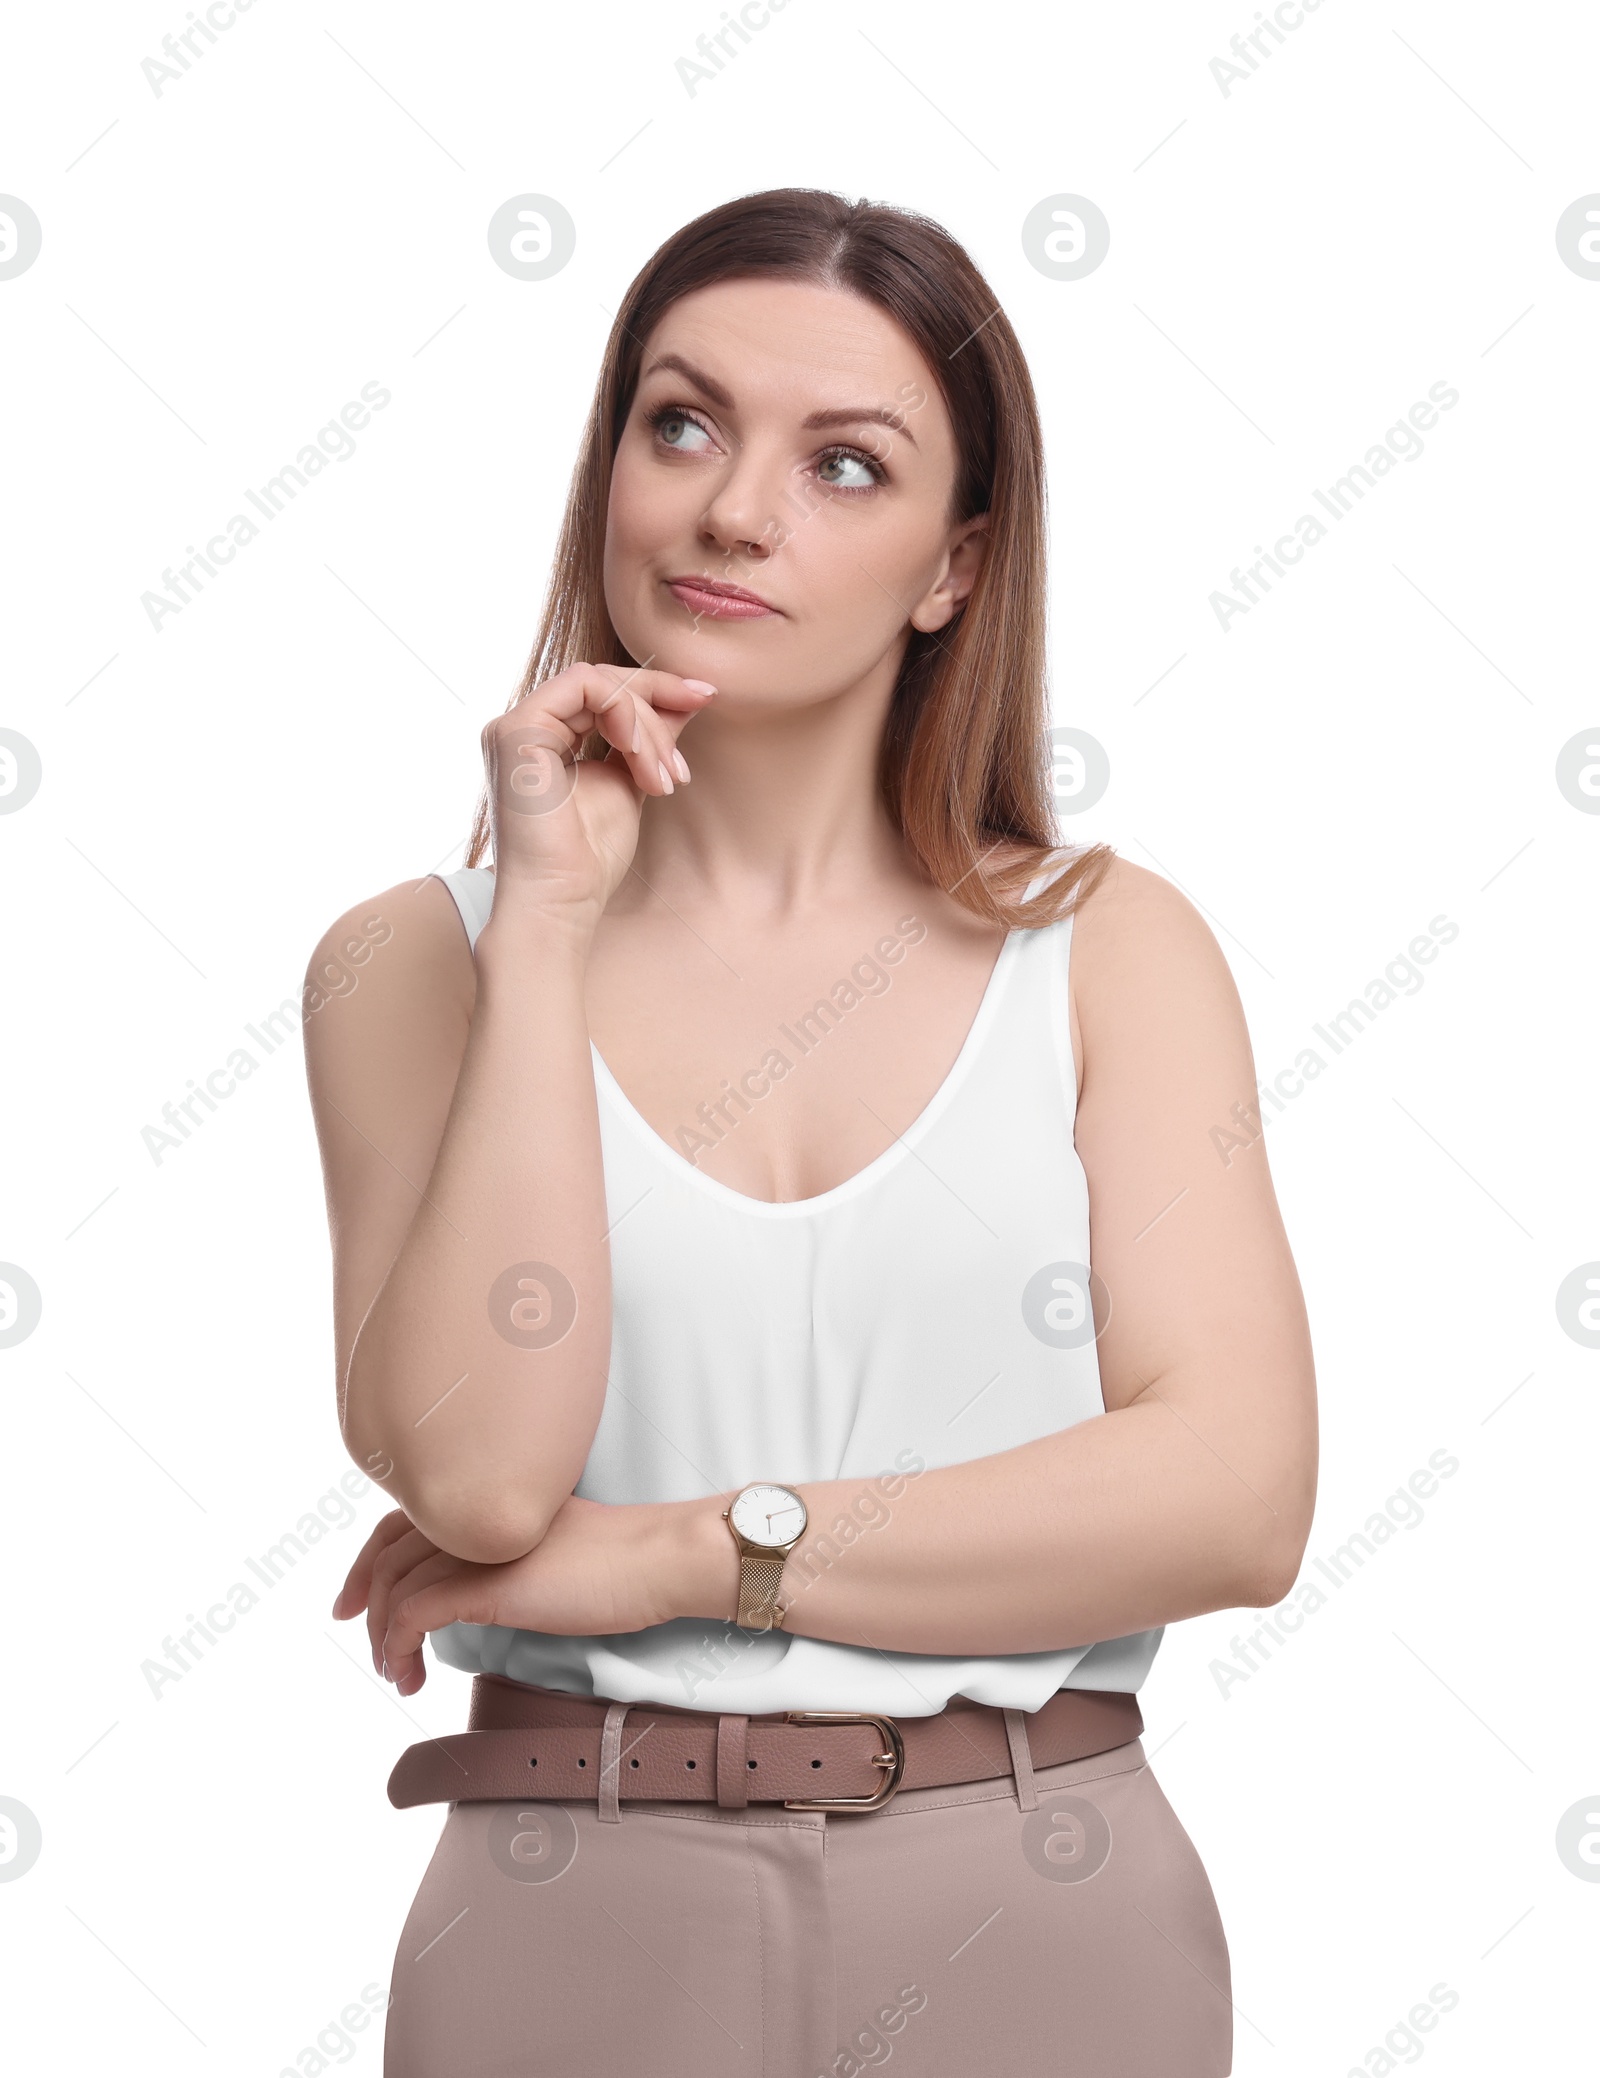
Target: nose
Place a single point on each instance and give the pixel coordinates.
(743, 519)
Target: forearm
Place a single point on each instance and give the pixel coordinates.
(1121, 1523)
(486, 1415)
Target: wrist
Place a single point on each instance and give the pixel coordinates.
(522, 924)
(514, 954)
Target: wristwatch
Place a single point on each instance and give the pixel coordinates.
(767, 1523)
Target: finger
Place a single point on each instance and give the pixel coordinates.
(639, 713)
(670, 723)
(642, 735)
(670, 713)
(441, 1590)
(636, 710)
(352, 1597)
(401, 1557)
(393, 1563)
(662, 689)
(574, 698)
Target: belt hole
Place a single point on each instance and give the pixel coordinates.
(688, 1764)
(749, 1764)
(534, 1762)
(633, 1764)
(582, 1763)
(816, 1764)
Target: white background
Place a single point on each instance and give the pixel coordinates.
(1292, 265)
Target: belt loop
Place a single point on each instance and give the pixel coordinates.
(1021, 1760)
(610, 1810)
(733, 1785)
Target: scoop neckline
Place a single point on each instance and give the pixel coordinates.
(898, 1149)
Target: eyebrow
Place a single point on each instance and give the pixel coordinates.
(815, 421)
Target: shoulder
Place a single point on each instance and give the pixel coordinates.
(414, 920)
(1132, 909)
(399, 956)
(1142, 956)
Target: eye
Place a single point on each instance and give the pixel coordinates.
(674, 427)
(671, 422)
(852, 458)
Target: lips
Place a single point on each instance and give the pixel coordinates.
(708, 597)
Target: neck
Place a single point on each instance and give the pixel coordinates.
(782, 816)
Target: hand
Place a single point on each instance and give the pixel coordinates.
(565, 828)
(599, 1570)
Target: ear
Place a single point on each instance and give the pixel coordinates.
(964, 559)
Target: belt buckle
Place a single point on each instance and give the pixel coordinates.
(894, 1759)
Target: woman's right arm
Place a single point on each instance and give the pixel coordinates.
(455, 1107)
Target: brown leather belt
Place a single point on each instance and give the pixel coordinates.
(524, 1742)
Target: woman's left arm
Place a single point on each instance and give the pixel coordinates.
(1195, 1490)
(1192, 1492)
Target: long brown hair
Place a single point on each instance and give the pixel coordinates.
(965, 763)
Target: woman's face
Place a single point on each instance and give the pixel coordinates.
(790, 441)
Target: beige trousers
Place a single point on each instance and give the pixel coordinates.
(953, 1934)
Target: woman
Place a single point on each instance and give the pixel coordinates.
(712, 1186)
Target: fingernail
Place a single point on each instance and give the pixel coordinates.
(666, 778)
(699, 685)
(680, 764)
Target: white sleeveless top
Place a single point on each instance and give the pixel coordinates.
(931, 1309)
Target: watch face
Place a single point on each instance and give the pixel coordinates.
(770, 1515)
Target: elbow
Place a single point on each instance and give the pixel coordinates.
(484, 1533)
(482, 1524)
(476, 1520)
(1265, 1584)
(478, 1510)
(1272, 1554)
(1272, 1568)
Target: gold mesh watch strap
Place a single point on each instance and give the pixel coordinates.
(759, 1575)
